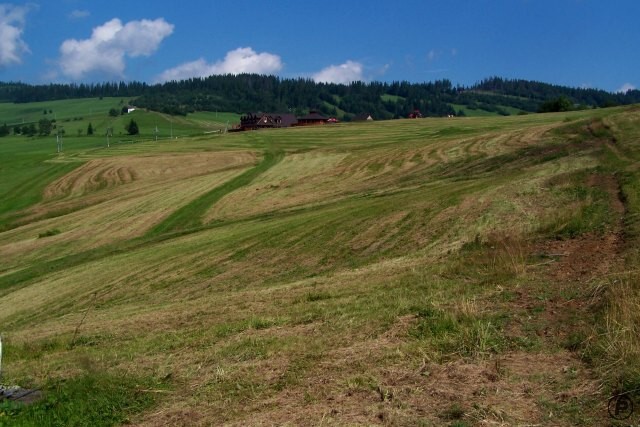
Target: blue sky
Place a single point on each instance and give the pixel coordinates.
(579, 43)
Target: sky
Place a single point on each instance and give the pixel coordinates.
(577, 43)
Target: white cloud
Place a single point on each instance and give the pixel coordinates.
(12, 20)
(346, 73)
(79, 14)
(197, 68)
(383, 70)
(238, 61)
(626, 88)
(108, 46)
(432, 55)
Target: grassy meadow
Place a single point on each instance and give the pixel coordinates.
(462, 271)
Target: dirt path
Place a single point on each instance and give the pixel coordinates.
(561, 315)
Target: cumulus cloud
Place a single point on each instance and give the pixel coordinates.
(12, 20)
(238, 61)
(105, 51)
(626, 88)
(346, 73)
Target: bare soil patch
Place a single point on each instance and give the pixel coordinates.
(591, 255)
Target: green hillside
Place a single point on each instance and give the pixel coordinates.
(455, 271)
(477, 111)
(76, 114)
(61, 110)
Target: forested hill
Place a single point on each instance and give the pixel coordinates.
(249, 92)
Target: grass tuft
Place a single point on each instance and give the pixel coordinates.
(95, 399)
(618, 333)
(49, 233)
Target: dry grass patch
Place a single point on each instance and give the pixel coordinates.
(103, 173)
(620, 330)
(115, 214)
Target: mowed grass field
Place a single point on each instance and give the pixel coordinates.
(465, 271)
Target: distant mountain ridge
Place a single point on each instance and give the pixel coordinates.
(251, 92)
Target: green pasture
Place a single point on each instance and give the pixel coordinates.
(391, 98)
(63, 110)
(478, 112)
(75, 115)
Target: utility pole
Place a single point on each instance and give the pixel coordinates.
(109, 130)
(59, 134)
(156, 132)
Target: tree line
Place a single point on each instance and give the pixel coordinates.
(245, 93)
(22, 93)
(44, 127)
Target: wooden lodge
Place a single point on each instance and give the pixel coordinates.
(311, 119)
(255, 121)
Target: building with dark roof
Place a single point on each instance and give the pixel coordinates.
(313, 118)
(253, 121)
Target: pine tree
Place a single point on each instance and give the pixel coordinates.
(132, 128)
(90, 129)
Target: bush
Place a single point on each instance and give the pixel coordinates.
(556, 105)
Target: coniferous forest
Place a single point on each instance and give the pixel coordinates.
(383, 100)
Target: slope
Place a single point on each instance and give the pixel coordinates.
(439, 271)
